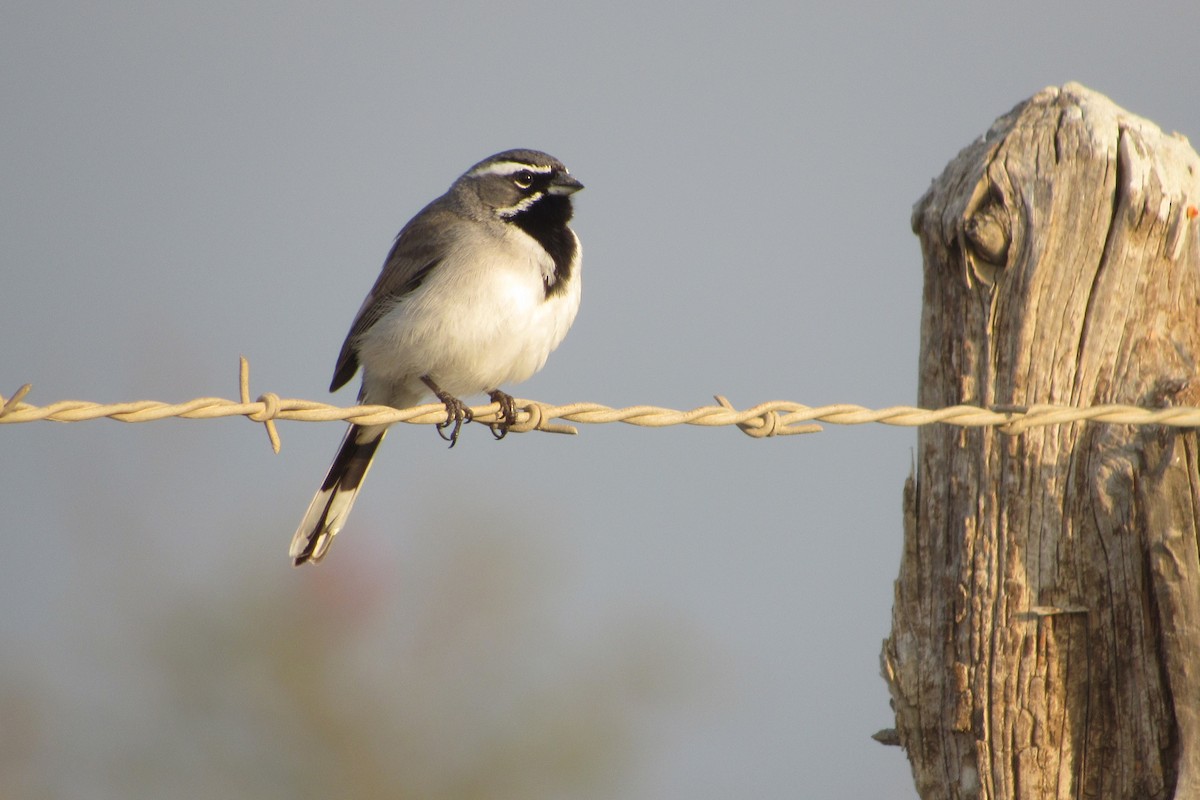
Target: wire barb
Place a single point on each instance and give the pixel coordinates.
(6, 407)
(769, 423)
(270, 402)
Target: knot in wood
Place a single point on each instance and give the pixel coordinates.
(989, 234)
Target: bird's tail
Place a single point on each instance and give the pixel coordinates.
(329, 508)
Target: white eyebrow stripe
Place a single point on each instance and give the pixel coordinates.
(510, 168)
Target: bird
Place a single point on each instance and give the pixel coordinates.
(478, 289)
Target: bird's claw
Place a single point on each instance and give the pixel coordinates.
(508, 413)
(457, 411)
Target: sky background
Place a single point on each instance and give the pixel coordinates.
(676, 613)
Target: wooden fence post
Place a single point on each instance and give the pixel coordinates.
(1046, 630)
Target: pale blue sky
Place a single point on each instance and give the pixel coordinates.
(187, 182)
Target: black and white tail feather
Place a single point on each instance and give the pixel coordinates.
(331, 505)
(478, 289)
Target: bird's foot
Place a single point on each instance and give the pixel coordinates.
(457, 412)
(508, 413)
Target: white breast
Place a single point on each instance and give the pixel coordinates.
(481, 320)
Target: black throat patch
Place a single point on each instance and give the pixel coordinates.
(546, 221)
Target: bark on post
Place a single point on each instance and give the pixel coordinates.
(1046, 631)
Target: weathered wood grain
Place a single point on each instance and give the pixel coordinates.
(1046, 627)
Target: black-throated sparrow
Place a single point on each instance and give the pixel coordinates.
(480, 286)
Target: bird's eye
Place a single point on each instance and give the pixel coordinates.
(523, 179)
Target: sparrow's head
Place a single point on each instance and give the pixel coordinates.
(521, 186)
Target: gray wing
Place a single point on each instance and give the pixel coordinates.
(418, 249)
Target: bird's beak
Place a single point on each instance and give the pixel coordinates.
(564, 184)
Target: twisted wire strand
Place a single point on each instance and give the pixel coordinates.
(773, 418)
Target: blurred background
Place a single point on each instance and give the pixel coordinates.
(677, 613)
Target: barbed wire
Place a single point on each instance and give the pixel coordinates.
(773, 418)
